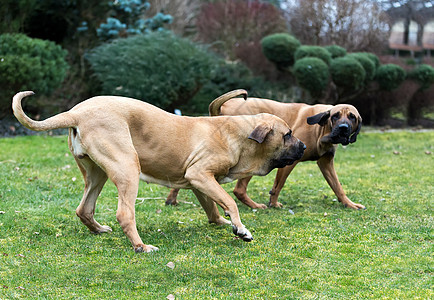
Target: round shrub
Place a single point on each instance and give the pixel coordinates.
(367, 64)
(390, 76)
(336, 51)
(374, 58)
(159, 68)
(347, 72)
(313, 51)
(424, 74)
(29, 64)
(279, 48)
(312, 74)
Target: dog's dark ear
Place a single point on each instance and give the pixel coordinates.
(320, 118)
(260, 133)
(353, 138)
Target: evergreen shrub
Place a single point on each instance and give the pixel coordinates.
(367, 64)
(424, 74)
(279, 48)
(336, 51)
(313, 51)
(159, 68)
(312, 74)
(390, 76)
(346, 72)
(29, 64)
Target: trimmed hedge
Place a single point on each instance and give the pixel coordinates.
(29, 64)
(280, 48)
(347, 72)
(374, 58)
(313, 51)
(312, 74)
(424, 74)
(390, 76)
(159, 68)
(336, 51)
(367, 64)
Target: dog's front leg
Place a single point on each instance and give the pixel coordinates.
(206, 184)
(326, 165)
(279, 182)
(240, 191)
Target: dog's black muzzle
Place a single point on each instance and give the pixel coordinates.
(341, 134)
(289, 158)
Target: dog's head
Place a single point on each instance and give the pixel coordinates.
(344, 122)
(276, 143)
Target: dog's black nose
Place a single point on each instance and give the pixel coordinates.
(343, 126)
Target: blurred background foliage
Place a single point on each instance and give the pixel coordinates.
(184, 53)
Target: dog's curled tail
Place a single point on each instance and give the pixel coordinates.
(62, 120)
(214, 107)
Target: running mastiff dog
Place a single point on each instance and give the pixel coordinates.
(126, 140)
(320, 127)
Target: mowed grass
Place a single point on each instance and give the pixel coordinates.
(313, 248)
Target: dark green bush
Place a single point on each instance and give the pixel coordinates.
(347, 73)
(279, 48)
(159, 68)
(313, 51)
(29, 64)
(311, 74)
(374, 58)
(336, 51)
(424, 74)
(390, 76)
(367, 64)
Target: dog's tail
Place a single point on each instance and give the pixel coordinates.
(62, 120)
(214, 107)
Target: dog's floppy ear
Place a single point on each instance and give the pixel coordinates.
(320, 118)
(353, 138)
(260, 133)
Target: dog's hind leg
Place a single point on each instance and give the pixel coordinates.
(240, 191)
(94, 179)
(171, 198)
(279, 182)
(116, 155)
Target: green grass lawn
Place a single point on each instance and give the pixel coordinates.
(321, 251)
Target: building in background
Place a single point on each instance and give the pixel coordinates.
(412, 29)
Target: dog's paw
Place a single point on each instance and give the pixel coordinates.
(171, 201)
(260, 206)
(145, 248)
(220, 221)
(102, 229)
(356, 206)
(275, 205)
(243, 233)
(351, 204)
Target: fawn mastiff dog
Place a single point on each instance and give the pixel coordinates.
(320, 127)
(126, 140)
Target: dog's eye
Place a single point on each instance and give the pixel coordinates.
(352, 117)
(288, 135)
(335, 116)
